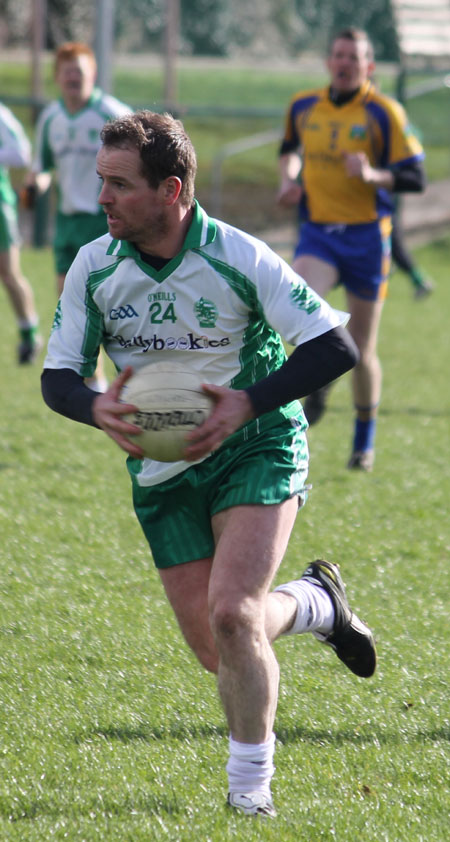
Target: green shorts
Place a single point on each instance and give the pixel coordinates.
(176, 515)
(9, 227)
(73, 231)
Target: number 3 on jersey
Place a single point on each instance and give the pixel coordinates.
(158, 316)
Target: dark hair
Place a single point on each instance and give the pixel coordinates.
(163, 145)
(352, 33)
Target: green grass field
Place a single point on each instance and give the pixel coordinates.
(252, 100)
(223, 103)
(111, 732)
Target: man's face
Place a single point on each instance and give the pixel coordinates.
(76, 79)
(135, 211)
(349, 64)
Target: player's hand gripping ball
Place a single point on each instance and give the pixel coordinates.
(169, 403)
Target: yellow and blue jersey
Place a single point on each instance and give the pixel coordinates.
(324, 132)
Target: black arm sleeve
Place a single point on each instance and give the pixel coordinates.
(65, 392)
(309, 367)
(409, 179)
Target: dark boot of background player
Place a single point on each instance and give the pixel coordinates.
(315, 404)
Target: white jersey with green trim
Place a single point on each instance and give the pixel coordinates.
(219, 308)
(68, 143)
(15, 151)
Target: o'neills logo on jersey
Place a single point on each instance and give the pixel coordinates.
(158, 421)
(172, 343)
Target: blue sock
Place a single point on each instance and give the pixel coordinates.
(364, 434)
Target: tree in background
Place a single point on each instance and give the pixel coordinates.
(66, 21)
(264, 28)
(140, 24)
(205, 26)
(69, 21)
(14, 22)
(325, 17)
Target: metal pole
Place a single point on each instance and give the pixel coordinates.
(171, 50)
(38, 27)
(244, 144)
(38, 34)
(104, 43)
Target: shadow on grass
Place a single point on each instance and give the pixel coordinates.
(337, 737)
(149, 733)
(185, 732)
(145, 803)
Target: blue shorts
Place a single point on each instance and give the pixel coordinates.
(361, 254)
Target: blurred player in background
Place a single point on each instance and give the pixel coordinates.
(67, 141)
(15, 151)
(354, 149)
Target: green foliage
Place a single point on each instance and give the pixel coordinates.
(140, 19)
(67, 21)
(213, 27)
(210, 27)
(376, 18)
(205, 26)
(110, 731)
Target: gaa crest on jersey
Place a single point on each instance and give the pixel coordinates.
(206, 312)
(125, 311)
(359, 132)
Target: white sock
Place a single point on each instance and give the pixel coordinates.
(315, 611)
(250, 766)
(27, 324)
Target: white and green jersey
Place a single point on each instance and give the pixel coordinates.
(219, 308)
(68, 143)
(15, 151)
